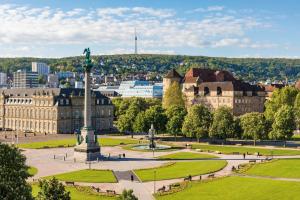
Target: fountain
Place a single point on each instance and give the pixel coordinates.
(152, 145)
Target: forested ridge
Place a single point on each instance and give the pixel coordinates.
(249, 69)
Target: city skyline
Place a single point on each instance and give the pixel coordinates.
(209, 28)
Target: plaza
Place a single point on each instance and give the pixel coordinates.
(134, 161)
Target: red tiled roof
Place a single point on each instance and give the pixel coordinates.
(208, 75)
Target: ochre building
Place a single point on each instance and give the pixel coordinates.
(52, 110)
(215, 88)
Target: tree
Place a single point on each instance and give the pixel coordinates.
(297, 110)
(254, 126)
(222, 126)
(175, 115)
(197, 122)
(13, 174)
(125, 121)
(155, 115)
(280, 97)
(139, 125)
(284, 124)
(52, 190)
(173, 96)
(127, 195)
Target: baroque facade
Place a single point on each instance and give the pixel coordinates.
(215, 88)
(52, 110)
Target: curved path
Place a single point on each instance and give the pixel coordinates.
(43, 159)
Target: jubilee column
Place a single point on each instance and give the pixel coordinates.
(87, 147)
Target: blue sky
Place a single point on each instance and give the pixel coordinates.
(227, 28)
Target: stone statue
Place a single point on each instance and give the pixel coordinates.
(88, 62)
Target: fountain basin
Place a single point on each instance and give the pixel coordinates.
(146, 147)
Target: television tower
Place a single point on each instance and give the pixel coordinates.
(135, 42)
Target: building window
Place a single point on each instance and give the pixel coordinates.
(67, 101)
(61, 102)
(219, 91)
(102, 101)
(206, 91)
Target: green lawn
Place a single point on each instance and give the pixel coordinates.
(78, 193)
(86, 175)
(285, 168)
(72, 141)
(186, 156)
(250, 150)
(237, 188)
(32, 171)
(181, 169)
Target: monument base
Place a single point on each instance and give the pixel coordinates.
(87, 154)
(89, 149)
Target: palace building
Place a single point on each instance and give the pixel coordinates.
(215, 88)
(52, 110)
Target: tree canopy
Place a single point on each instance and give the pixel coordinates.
(52, 190)
(13, 174)
(197, 122)
(223, 124)
(173, 96)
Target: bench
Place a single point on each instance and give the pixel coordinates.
(70, 183)
(111, 192)
(162, 189)
(252, 161)
(236, 153)
(211, 176)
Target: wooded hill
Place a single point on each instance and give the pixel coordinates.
(249, 69)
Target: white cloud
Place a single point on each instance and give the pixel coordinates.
(157, 29)
(208, 9)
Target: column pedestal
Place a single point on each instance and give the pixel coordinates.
(88, 150)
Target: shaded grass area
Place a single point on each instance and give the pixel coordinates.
(241, 150)
(70, 142)
(181, 169)
(186, 156)
(87, 175)
(78, 193)
(283, 168)
(32, 171)
(237, 188)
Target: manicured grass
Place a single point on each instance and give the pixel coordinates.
(78, 193)
(87, 175)
(285, 168)
(32, 171)
(72, 142)
(181, 169)
(186, 156)
(241, 150)
(237, 188)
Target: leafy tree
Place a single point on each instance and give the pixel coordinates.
(254, 126)
(173, 96)
(222, 126)
(13, 174)
(284, 124)
(175, 115)
(155, 115)
(197, 122)
(140, 123)
(297, 110)
(127, 195)
(52, 190)
(280, 97)
(237, 127)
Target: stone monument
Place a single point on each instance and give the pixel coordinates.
(87, 147)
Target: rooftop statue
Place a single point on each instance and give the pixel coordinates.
(87, 65)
